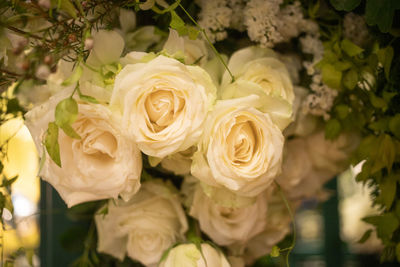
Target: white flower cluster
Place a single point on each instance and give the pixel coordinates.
(320, 101)
(261, 20)
(265, 21)
(215, 17)
(355, 29)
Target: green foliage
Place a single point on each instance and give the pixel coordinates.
(51, 143)
(365, 236)
(332, 129)
(385, 225)
(74, 76)
(381, 13)
(179, 25)
(65, 114)
(346, 5)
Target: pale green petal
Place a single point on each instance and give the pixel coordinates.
(108, 47)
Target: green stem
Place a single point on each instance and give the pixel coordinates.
(209, 42)
(290, 248)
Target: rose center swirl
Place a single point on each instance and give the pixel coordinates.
(242, 142)
(162, 107)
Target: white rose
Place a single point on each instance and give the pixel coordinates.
(163, 103)
(188, 255)
(145, 226)
(299, 178)
(258, 71)
(331, 155)
(102, 164)
(240, 149)
(278, 225)
(229, 225)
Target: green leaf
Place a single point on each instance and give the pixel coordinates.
(385, 224)
(66, 114)
(178, 24)
(385, 57)
(88, 98)
(75, 76)
(13, 106)
(388, 191)
(381, 13)
(68, 130)
(365, 236)
(51, 143)
(350, 79)
(394, 125)
(380, 125)
(332, 129)
(66, 6)
(193, 32)
(275, 252)
(9, 182)
(350, 48)
(341, 65)
(346, 5)
(342, 111)
(398, 252)
(331, 76)
(378, 102)
(388, 151)
(313, 9)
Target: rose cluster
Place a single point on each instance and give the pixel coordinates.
(222, 132)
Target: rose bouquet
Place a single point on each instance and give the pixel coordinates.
(194, 157)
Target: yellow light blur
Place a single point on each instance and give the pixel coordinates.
(21, 160)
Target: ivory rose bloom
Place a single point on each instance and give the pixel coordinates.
(102, 164)
(185, 255)
(163, 103)
(300, 179)
(240, 149)
(276, 228)
(259, 71)
(145, 226)
(228, 225)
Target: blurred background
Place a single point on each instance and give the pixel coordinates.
(327, 233)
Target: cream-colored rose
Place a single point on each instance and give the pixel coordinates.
(102, 164)
(331, 155)
(259, 71)
(299, 178)
(229, 225)
(277, 227)
(145, 226)
(240, 149)
(186, 255)
(163, 103)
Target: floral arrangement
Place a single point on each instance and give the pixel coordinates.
(196, 129)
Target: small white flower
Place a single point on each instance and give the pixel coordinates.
(7, 215)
